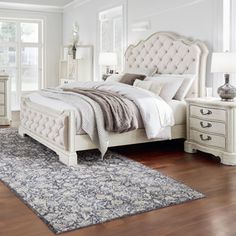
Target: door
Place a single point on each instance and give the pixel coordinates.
(21, 56)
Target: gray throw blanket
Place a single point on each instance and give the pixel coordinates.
(118, 116)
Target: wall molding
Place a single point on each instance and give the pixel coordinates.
(42, 8)
(167, 10)
(30, 7)
(75, 4)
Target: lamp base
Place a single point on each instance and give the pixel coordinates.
(227, 92)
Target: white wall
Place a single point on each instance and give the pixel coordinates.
(53, 40)
(233, 35)
(86, 15)
(199, 19)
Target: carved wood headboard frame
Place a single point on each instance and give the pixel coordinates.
(171, 54)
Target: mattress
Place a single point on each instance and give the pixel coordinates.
(179, 111)
(178, 107)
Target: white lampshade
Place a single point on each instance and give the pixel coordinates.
(107, 59)
(224, 62)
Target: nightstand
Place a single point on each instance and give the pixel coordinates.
(211, 128)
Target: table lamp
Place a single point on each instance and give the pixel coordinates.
(225, 62)
(107, 59)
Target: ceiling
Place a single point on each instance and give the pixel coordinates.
(56, 3)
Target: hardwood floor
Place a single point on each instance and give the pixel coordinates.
(211, 216)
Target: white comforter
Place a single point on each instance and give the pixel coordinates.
(157, 115)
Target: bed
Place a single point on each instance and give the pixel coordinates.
(169, 52)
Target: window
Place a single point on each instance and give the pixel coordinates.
(21, 55)
(112, 33)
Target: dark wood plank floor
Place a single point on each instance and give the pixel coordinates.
(211, 216)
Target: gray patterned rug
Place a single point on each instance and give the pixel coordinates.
(94, 192)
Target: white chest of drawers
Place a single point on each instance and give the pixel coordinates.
(211, 128)
(5, 112)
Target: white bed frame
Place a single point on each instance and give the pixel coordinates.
(169, 52)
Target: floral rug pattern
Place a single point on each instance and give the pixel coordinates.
(95, 191)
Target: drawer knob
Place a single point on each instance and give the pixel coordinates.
(208, 125)
(208, 138)
(205, 113)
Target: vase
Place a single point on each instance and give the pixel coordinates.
(74, 52)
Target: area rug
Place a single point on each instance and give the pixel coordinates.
(96, 191)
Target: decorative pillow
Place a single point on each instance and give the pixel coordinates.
(142, 71)
(130, 78)
(169, 86)
(156, 88)
(148, 85)
(185, 86)
(142, 84)
(114, 78)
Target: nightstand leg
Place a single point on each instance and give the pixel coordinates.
(228, 159)
(189, 147)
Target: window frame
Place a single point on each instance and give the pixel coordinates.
(113, 22)
(19, 45)
(123, 4)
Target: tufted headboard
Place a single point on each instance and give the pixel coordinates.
(171, 54)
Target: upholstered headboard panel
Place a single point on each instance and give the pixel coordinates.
(171, 54)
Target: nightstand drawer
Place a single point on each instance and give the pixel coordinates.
(207, 139)
(2, 87)
(207, 126)
(208, 113)
(2, 110)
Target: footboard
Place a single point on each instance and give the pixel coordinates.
(52, 128)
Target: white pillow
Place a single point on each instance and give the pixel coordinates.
(142, 84)
(169, 86)
(156, 88)
(114, 78)
(185, 86)
(148, 85)
(142, 71)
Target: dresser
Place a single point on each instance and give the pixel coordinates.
(211, 128)
(79, 69)
(5, 111)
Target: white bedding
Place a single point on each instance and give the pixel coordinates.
(179, 111)
(178, 108)
(153, 113)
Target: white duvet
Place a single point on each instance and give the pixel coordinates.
(157, 115)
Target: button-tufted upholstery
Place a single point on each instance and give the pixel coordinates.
(171, 55)
(53, 129)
